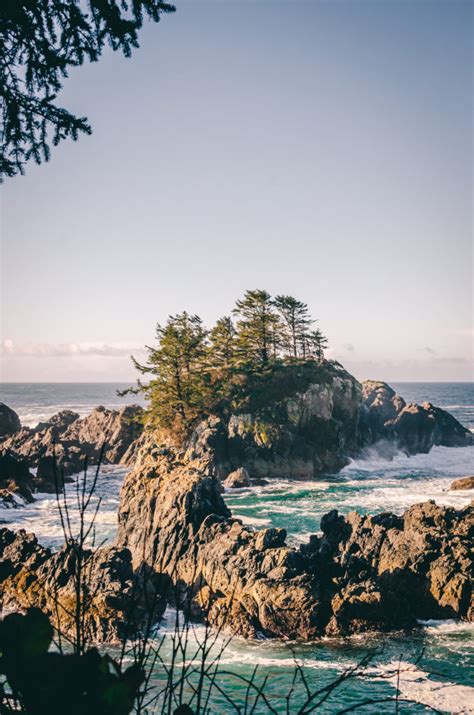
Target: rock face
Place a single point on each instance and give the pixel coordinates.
(31, 575)
(9, 421)
(463, 483)
(364, 573)
(75, 439)
(306, 422)
(413, 428)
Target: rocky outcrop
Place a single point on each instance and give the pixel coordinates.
(9, 421)
(462, 483)
(31, 575)
(411, 427)
(73, 439)
(362, 574)
(421, 563)
(304, 422)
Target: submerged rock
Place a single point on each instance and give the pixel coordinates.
(365, 573)
(31, 575)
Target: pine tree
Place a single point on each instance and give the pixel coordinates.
(317, 344)
(257, 327)
(177, 389)
(222, 343)
(41, 40)
(296, 321)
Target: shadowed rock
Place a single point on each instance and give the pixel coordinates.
(9, 421)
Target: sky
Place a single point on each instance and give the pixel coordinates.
(318, 149)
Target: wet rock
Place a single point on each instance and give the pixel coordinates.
(238, 479)
(16, 480)
(9, 421)
(462, 483)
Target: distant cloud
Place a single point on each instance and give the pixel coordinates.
(454, 360)
(8, 347)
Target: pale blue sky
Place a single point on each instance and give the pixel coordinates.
(322, 149)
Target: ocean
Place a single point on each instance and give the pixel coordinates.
(441, 679)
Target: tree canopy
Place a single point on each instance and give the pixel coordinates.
(195, 372)
(41, 41)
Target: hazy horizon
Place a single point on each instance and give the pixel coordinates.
(318, 149)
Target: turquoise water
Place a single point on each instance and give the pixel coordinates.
(443, 677)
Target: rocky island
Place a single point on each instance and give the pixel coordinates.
(240, 405)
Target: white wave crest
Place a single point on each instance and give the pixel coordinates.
(416, 684)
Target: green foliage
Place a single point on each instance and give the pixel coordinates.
(178, 388)
(222, 349)
(41, 40)
(258, 327)
(296, 322)
(194, 372)
(37, 681)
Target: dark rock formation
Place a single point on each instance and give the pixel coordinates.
(16, 480)
(73, 439)
(364, 573)
(411, 427)
(9, 421)
(462, 483)
(31, 575)
(238, 479)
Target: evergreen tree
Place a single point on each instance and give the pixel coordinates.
(317, 344)
(296, 321)
(222, 343)
(257, 327)
(41, 40)
(178, 389)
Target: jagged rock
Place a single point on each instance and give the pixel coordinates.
(31, 575)
(413, 428)
(365, 573)
(418, 428)
(383, 405)
(462, 483)
(237, 479)
(421, 562)
(73, 439)
(9, 421)
(16, 480)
